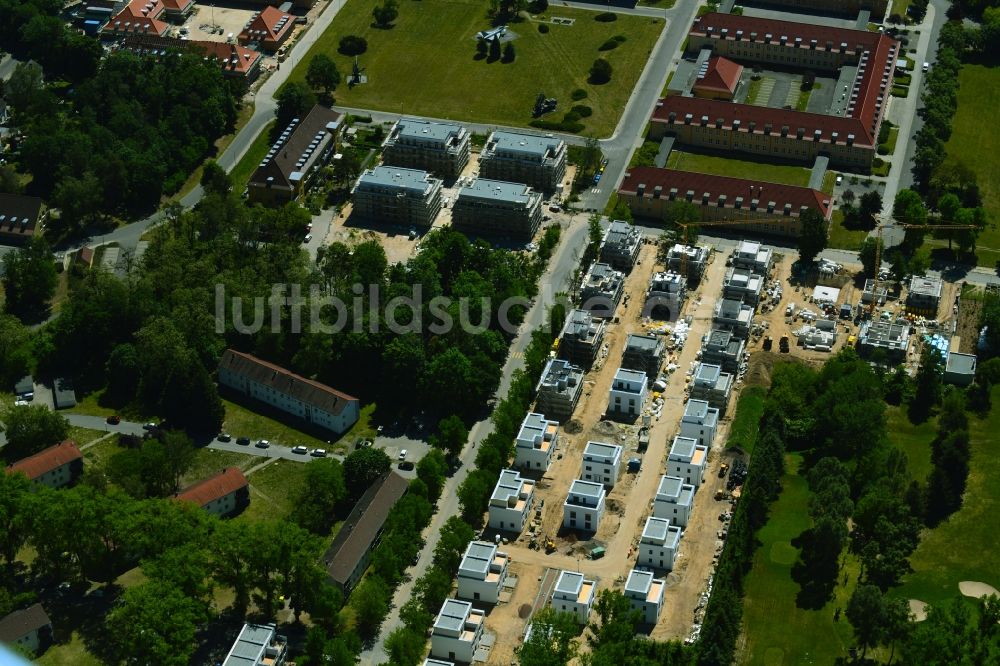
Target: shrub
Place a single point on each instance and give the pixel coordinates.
(571, 117)
(578, 94)
(620, 38)
(538, 6)
(582, 111)
(608, 45)
(563, 126)
(352, 45)
(543, 28)
(606, 17)
(600, 71)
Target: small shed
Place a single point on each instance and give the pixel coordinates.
(960, 369)
(63, 394)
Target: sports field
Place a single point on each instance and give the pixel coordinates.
(976, 144)
(427, 64)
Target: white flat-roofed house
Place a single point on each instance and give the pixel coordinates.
(574, 594)
(700, 421)
(674, 499)
(743, 284)
(457, 631)
(482, 572)
(628, 393)
(584, 505)
(687, 459)
(258, 645)
(511, 502)
(732, 314)
(535, 443)
(645, 594)
(658, 544)
(713, 385)
(754, 256)
(601, 463)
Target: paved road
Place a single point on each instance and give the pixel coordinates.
(564, 263)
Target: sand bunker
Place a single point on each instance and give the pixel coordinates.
(919, 610)
(971, 588)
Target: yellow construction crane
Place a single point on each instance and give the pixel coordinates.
(879, 228)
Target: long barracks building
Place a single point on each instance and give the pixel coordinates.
(783, 133)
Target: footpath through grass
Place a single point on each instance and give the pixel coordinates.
(975, 143)
(426, 64)
(964, 547)
(786, 174)
(746, 423)
(776, 630)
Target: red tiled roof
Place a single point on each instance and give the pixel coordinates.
(722, 74)
(287, 383)
(47, 460)
(881, 49)
(702, 183)
(176, 5)
(215, 487)
(139, 17)
(264, 26)
(232, 58)
(760, 116)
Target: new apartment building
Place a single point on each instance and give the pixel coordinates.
(584, 505)
(457, 631)
(482, 572)
(498, 209)
(665, 296)
(732, 314)
(539, 161)
(674, 500)
(644, 353)
(440, 148)
(601, 463)
(601, 290)
(743, 284)
(658, 544)
(559, 390)
(723, 348)
(645, 594)
(581, 338)
(510, 503)
(536, 442)
(700, 421)
(688, 459)
(711, 384)
(627, 394)
(574, 594)
(394, 195)
(620, 245)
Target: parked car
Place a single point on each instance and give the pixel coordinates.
(402, 454)
(927, 66)
(308, 238)
(262, 444)
(318, 453)
(406, 466)
(300, 450)
(114, 419)
(149, 426)
(224, 437)
(243, 441)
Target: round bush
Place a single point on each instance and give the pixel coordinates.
(606, 17)
(582, 110)
(608, 45)
(543, 28)
(352, 45)
(578, 94)
(571, 117)
(620, 38)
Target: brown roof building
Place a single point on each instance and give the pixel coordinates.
(29, 628)
(769, 208)
(236, 61)
(349, 554)
(720, 80)
(309, 400)
(223, 494)
(268, 28)
(304, 145)
(18, 218)
(55, 466)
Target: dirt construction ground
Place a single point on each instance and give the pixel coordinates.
(629, 503)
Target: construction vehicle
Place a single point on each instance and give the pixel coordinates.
(783, 344)
(768, 342)
(550, 545)
(723, 469)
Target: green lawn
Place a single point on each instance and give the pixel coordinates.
(240, 175)
(426, 64)
(913, 440)
(274, 489)
(243, 422)
(964, 546)
(976, 144)
(93, 404)
(753, 90)
(209, 461)
(74, 652)
(99, 454)
(743, 431)
(829, 180)
(841, 237)
(777, 631)
(84, 435)
(900, 7)
(725, 166)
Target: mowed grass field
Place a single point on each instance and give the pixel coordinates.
(912, 439)
(776, 631)
(726, 166)
(426, 63)
(964, 547)
(975, 143)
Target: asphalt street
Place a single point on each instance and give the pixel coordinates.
(563, 264)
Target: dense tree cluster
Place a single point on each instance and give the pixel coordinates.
(33, 30)
(128, 134)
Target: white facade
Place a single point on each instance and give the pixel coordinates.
(753, 255)
(658, 545)
(536, 441)
(511, 502)
(645, 594)
(457, 631)
(628, 393)
(574, 594)
(700, 421)
(482, 572)
(687, 459)
(584, 506)
(674, 499)
(601, 463)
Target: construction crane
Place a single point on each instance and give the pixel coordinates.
(879, 228)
